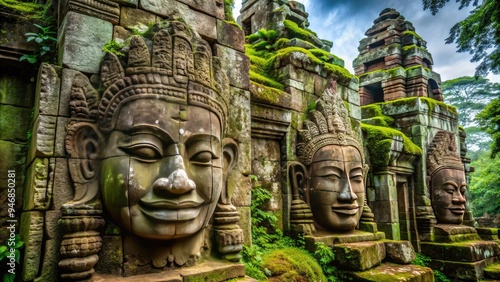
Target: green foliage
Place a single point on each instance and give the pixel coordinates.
(273, 254)
(478, 34)
(5, 250)
(485, 186)
(325, 257)
(292, 264)
(470, 95)
(423, 260)
(228, 10)
(113, 47)
(144, 30)
(489, 120)
(45, 47)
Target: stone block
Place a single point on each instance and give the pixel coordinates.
(16, 90)
(120, 34)
(266, 171)
(80, 41)
(391, 272)
(237, 65)
(38, 191)
(48, 90)
(241, 187)
(265, 149)
(359, 255)
(385, 211)
(14, 123)
(63, 189)
(60, 138)
(13, 158)
(110, 256)
(488, 233)
(245, 223)
(400, 252)
(454, 233)
(466, 271)
(202, 23)
(52, 230)
(43, 132)
(66, 83)
(31, 231)
(239, 119)
(50, 269)
(131, 3)
(130, 17)
(332, 239)
(470, 251)
(213, 271)
(230, 36)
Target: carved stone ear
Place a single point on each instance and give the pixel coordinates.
(298, 178)
(230, 158)
(230, 155)
(82, 143)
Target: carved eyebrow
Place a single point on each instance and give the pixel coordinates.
(150, 129)
(451, 182)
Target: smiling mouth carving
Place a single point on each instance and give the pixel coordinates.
(346, 209)
(459, 211)
(168, 210)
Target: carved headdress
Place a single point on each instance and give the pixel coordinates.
(327, 124)
(166, 72)
(443, 153)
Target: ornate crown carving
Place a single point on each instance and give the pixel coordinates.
(328, 124)
(178, 68)
(442, 153)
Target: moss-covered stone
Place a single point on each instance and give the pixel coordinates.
(379, 143)
(394, 272)
(292, 264)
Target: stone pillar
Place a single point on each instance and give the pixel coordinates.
(385, 206)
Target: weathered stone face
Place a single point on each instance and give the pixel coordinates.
(337, 187)
(161, 176)
(448, 195)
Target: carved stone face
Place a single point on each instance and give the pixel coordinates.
(448, 199)
(161, 174)
(337, 187)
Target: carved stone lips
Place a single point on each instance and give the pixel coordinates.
(171, 210)
(457, 210)
(346, 209)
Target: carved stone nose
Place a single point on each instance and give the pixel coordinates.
(177, 183)
(346, 193)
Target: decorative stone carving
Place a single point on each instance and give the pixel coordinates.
(446, 179)
(332, 174)
(151, 149)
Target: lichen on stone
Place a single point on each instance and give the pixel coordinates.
(292, 264)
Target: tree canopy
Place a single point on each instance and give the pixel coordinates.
(478, 34)
(470, 96)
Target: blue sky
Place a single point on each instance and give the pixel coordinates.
(345, 22)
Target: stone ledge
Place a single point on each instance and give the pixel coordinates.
(214, 271)
(461, 252)
(394, 272)
(463, 270)
(359, 255)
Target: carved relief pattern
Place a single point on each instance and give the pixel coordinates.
(168, 76)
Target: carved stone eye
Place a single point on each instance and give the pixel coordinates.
(143, 152)
(202, 157)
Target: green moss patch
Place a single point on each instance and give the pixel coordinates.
(292, 264)
(409, 32)
(29, 10)
(265, 93)
(379, 141)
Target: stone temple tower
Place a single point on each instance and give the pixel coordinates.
(394, 63)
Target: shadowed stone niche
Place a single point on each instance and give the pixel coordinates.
(149, 160)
